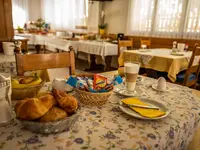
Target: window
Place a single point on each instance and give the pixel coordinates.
(61, 14)
(65, 14)
(19, 12)
(192, 23)
(165, 18)
(140, 16)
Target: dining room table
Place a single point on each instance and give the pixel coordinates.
(101, 51)
(160, 59)
(107, 127)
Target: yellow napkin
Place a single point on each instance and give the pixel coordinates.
(150, 113)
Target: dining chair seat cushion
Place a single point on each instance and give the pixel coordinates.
(181, 76)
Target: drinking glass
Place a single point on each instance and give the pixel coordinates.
(131, 70)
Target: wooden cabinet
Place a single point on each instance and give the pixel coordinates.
(6, 27)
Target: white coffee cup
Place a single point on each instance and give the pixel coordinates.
(131, 70)
(181, 47)
(60, 84)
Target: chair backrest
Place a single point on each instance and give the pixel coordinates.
(146, 42)
(30, 62)
(124, 43)
(193, 68)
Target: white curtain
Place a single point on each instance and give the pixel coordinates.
(65, 14)
(140, 17)
(20, 12)
(192, 22)
(168, 18)
(164, 18)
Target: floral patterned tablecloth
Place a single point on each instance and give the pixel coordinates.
(108, 128)
(8, 64)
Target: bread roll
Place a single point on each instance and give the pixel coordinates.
(53, 114)
(66, 101)
(34, 108)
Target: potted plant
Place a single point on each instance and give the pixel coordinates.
(102, 28)
(20, 30)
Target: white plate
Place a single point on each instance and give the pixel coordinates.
(131, 112)
(144, 50)
(122, 91)
(154, 86)
(177, 54)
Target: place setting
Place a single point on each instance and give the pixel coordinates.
(133, 102)
(100, 75)
(144, 49)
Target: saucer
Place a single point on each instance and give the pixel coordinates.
(177, 54)
(144, 50)
(154, 86)
(122, 91)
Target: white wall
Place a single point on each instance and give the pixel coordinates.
(34, 10)
(116, 13)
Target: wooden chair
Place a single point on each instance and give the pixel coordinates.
(146, 42)
(30, 62)
(124, 43)
(190, 77)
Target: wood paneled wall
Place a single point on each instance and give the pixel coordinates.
(162, 42)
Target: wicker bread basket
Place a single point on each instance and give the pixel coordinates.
(89, 98)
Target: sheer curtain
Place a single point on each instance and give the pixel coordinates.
(192, 22)
(65, 14)
(140, 17)
(20, 12)
(169, 18)
(164, 18)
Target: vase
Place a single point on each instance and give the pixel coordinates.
(102, 31)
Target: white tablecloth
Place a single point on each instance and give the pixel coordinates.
(91, 47)
(98, 48)
(51, 42)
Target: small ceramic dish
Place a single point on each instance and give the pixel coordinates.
(154, 86)
(122, 91)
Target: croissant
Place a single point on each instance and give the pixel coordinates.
(66, 101)
(34, 108)
(53, 114)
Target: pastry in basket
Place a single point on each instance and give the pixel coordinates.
(53, 114)
(34, 108)
(66, 101)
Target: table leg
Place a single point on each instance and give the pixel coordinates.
(37, 47)
(108, 60)
(26, 46)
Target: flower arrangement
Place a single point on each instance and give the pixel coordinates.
(40, 23)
